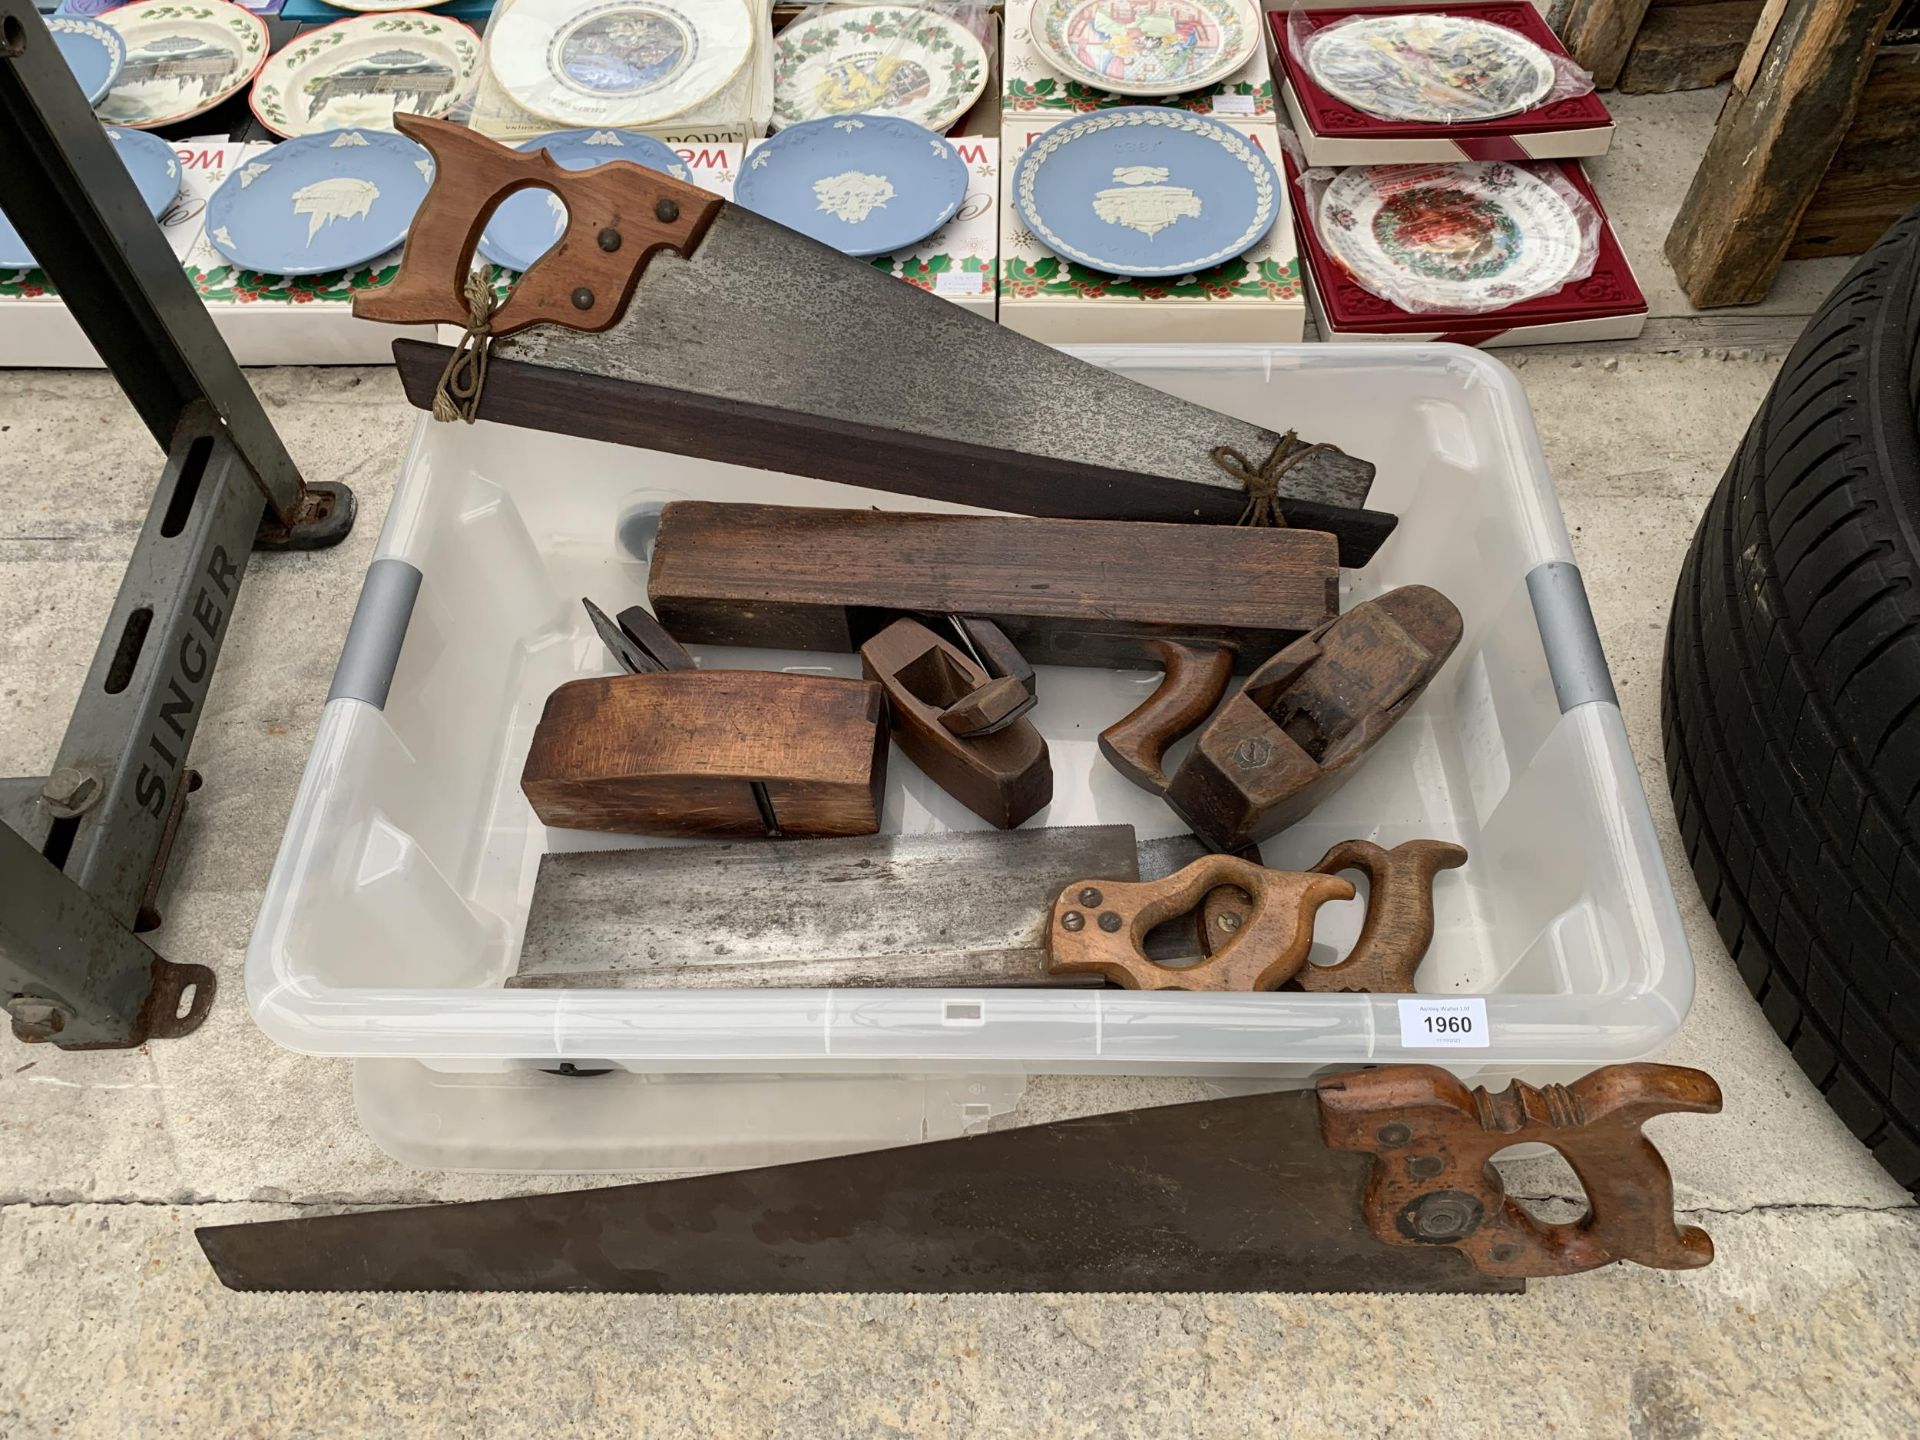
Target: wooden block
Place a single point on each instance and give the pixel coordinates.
(1598, 34)
(1688, 47)
(1874, 177)
(674, 754)
(1771, 147)
(1067, 592)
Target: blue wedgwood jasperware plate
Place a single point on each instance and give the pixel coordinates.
(93, 52)
(156, 174)
(530, 223)
(864, 184)
(1146, 191)
(320, 203)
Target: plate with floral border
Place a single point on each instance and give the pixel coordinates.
(356, 73)
(93, 52)
(182, 59)
(1145, 47)
(896, 60)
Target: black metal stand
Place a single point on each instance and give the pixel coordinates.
(82, 851)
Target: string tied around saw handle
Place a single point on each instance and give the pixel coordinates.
(1262, 483)
(457, 396)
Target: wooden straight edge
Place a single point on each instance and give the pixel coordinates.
(1874, 177)
(1770, 149)
(565, 402)
(1598, 34)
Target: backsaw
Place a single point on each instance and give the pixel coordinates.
(1372, 1181)
(667, 318)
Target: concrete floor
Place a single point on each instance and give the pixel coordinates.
(1808, 1322)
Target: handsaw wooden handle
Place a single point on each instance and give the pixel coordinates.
(1196, 678)
(1101, 926)
(618, 215)
(1432, 1184)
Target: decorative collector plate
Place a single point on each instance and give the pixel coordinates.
(916, 65)
(93, 52)
(1146, 191)
(617, 62)
(358, 72)
(1474, 235)
(320, 203)
(156, 175)
(1145, 47)
(1437, 68)
(864, 184)
(182, 59)
(530, 222)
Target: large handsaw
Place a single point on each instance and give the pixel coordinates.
(668, 318)
(1375, 1181)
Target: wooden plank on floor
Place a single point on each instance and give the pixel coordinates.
(1688, 47)
(1874, 177)
(1770, 149)
(1598, 34)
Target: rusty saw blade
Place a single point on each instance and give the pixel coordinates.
(670, 319)
(1377, 1181)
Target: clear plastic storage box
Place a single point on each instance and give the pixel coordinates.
(396, 906)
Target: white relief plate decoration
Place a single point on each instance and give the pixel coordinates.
(358, 72)
(181, 59)
(1145, 47)
(1472, 236)
(1439, 69)
(617, 62)
(912, 64)
(1146, 191)
(864, 184)
(320, 203)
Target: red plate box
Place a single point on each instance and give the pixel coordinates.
(1334, 133)
(1607, 305)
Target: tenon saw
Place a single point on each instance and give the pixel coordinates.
(1373, 1181)
(668, 318)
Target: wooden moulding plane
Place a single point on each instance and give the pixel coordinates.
(667, 318)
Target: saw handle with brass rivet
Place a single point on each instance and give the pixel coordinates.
(1101, 926)
(618, 215)
(1432, 1181)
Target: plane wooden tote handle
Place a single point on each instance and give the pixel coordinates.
(1432, 1184)
(618, 215)
(1196, 678)
(1100, 926)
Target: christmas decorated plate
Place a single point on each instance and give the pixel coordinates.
(156, 175)
(1146, 191)
(864, 184)
(1437, 68)
(916, 65)
(93, 52)
(528, 223)
(617, 62)
(320, 203)
(1145, 47)
(358, 72)
(182, 59)
(1471, 236)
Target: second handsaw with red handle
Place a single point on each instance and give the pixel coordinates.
(667, 318)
